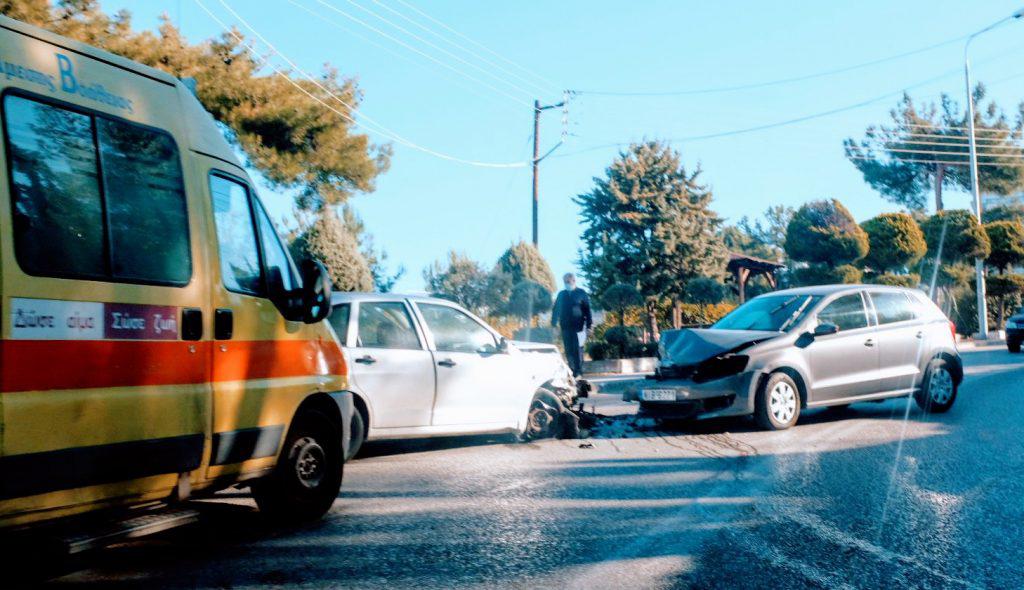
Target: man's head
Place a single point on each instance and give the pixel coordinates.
(570, 281)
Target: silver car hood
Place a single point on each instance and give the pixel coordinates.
(691, 346)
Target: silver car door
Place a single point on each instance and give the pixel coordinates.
(844, 364)
(901, 339)
(391, 365)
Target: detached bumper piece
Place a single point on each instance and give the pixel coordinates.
(684, 410)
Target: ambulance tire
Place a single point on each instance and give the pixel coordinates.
(307, 478)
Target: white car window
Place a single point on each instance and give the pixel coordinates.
(892, 307)
(455, 331)
(386, 324)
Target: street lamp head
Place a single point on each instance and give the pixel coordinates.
(1019, 13)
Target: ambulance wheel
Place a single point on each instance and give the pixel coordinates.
(307, 477)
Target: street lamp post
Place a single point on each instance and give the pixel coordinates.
(979, 264)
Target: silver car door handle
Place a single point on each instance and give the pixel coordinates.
(366, 360)
(869, 342)
(919, 335)
(446, 363)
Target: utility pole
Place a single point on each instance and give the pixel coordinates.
(537, 108)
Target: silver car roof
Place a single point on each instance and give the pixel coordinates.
(826, 290)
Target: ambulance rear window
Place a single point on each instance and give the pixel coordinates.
(95, 197)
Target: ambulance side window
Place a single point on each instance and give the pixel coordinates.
(236, 236)
(95, 197)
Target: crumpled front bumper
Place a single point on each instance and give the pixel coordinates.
(729, 396)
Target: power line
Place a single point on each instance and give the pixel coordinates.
(383, 131)
(953, 153)
(545, 89)
(403, 56)
(436, 47)
(424, 54)
(476, 43)
(917, 161)
(721, 89)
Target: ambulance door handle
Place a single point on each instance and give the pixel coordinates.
(223, 324)
(191, 323)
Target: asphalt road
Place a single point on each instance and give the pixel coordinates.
(876, 496)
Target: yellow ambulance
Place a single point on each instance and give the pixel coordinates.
(158, 342)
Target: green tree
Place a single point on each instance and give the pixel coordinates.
(925, 149)
(383, 279)
(295, 141)
(1005, 290)
(328, 241)
(705, 291)
(1007, 240)
(649, 222)
(460, 279)
(895, 242)
(1004, 212)
(825, 232)
(528, 299)
(523, 262)
(960, 235)
(619, 298)
(761, 238)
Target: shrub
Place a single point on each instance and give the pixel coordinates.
(825, 232)
(819, 274)
(893, 280)
(895, 241)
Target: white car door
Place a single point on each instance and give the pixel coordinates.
(476, 383)
(391, 365)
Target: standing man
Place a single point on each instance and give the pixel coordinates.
(572, 314)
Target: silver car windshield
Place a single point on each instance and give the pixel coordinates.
(772, 313)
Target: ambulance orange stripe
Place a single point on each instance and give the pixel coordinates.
(37, 365)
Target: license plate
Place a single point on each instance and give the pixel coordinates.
(659, 395)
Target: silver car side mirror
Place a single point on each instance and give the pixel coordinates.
(825, 329)
(502, 344)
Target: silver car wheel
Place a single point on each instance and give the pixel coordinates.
(940, 386)
(782, 402)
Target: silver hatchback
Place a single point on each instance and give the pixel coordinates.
(809, 347)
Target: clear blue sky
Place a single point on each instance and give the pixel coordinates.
(424, 206)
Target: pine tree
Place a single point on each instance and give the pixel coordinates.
(295, 141)
(328, 241)
(925, 150)
(648, 222)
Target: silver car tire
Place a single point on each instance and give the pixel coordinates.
(777, 406)
(938, 389)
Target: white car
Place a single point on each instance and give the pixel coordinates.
(422, 366)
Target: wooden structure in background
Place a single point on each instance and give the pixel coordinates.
(743, 268)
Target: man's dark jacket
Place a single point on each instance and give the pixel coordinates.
(572, 311)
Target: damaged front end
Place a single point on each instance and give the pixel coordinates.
(701, 373)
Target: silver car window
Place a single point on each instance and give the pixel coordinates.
(892, 307)
(846, 312)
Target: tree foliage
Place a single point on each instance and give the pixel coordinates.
(924, 149)
(461, 279)
(823, 274)
(295, 141)
(895, 242)
(1004, 212)
(964, 237)
(825, 232)
(760, 238)
(648, 222)
(1007, 241)
(329, 241)
(620, 297)
(528, 299)
(705, 291)
(377, 259)
(524, 262)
